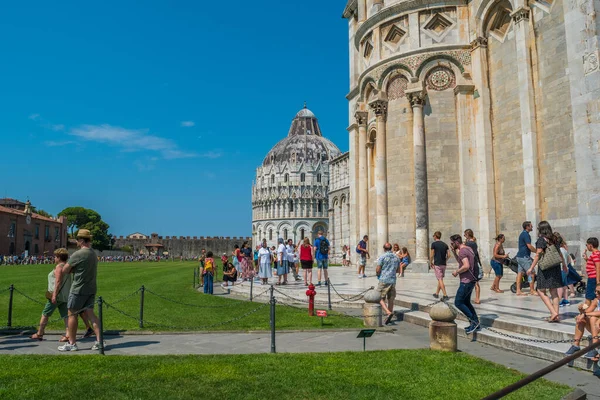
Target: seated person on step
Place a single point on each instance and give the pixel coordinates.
(588, 319)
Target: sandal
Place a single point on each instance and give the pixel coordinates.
(553, 320)
(36, 336)
(63, 339)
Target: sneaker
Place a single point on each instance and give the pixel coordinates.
(318, 283)
(567, 303)
(359, 276)
(68, 347)
(574, 349)
(326, 284)
(597, 372)
(473, 328)
(364, 276)
(388, 319)
(88, 333)
(591, 354)
(436, 296)
(96, 345)
(445, 298)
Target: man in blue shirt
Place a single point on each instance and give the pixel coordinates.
(322, 256)
(524, 258)
(387, 268)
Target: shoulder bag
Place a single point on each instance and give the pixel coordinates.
(550, 258)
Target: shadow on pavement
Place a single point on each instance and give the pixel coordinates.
(126, 345)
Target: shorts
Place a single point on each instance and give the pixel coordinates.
(497, 267)
(306, 264)
(590, 290)
(79, 302)
(440, 271)
(363, 260)
(322, 264)
(387, 290)
(524, 264)
(49, 309)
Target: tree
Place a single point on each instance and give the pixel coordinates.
(85, 218)
(43, 213)
(127, 249)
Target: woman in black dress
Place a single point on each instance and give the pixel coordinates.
(551, 278)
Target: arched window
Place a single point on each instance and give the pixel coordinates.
(319, 178)
(272, 178)
(270, 234)
(285, 234)
(302, 177)
(291, 205)
(320, 206)
(302, 233)
(286, 178)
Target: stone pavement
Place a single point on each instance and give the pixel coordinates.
(405, 336)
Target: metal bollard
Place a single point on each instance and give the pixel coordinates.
(329, 293)
(142, 290)
(10, 305)
(272, 301)
(251, 287)
(101, 326)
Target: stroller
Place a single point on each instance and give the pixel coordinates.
(573, 278)
(514, 267)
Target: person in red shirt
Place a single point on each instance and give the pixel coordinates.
(592, 268)
(306, 260)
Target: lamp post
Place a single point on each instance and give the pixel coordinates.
(11, 235)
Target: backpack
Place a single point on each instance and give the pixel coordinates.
(324, 246)
(357, 246)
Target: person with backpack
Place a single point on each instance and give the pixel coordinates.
(322, 256)
(364, 254)
(471, 241)
(468, 271)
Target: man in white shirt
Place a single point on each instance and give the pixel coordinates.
(282, 265)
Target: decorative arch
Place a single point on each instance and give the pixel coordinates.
(483, 13)
(498, 20)
(452, 60)
(391, 72)
(368, 84)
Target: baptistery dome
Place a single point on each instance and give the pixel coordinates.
(290, 194)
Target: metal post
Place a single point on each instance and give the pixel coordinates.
(272, 301)
(101, 326)
(195, 275)
(329, 293)
(142, 290)
(10, 305)
(251, 287)
(364, 343)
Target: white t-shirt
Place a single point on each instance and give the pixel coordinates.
(565, 255)
(264, 255)
(290, 253)
(281, 252)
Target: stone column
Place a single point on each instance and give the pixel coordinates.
(353, 184)
(482, 128)
(417, 101)
(380, 108)
(362, 182)
(527, 107)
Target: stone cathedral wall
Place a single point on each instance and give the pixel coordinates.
(506, 137)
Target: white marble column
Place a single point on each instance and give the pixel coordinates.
(527, 107)
(417, 101)
(362, 182)
(353, 183)
(380, 109)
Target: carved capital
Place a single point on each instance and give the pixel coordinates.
(520, 14)
(379, 107)
(361, 117)
(464, 89)
(479, 42)
(370, 145)
(417, 98)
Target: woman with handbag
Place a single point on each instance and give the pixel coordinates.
(60, 283)
(549, 259)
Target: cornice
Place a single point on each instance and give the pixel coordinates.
(395, 11)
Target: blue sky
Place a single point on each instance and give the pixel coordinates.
(157, 113)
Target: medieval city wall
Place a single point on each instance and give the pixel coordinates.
(184, 246)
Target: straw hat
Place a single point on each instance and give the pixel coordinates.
(84, 234)
(59, 252)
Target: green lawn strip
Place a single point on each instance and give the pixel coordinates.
(402, 374)
(169, 279)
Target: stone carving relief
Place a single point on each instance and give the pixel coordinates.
(591, 62)
(440, 78)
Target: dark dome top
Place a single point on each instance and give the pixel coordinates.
(304, 143)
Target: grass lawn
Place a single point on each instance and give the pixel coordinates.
(400, 374)
(170, 279)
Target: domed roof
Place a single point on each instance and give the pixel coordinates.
(304, 143)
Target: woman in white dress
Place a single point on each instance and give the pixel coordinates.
(264, 259)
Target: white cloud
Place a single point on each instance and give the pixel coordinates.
(34, 117)
(212, 154)
(57, 127)
(52, 143)
(130, 140)
(188, 124)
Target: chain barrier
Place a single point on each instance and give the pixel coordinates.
(353, 297)
(48, 323)
(198, 328)
(341, 315)
(28, 297)
(127, 297)
(185, 304)
(5, 290)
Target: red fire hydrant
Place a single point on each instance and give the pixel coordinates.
(311, 299)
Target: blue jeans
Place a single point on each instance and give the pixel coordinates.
(208, 283)
(463, 301)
